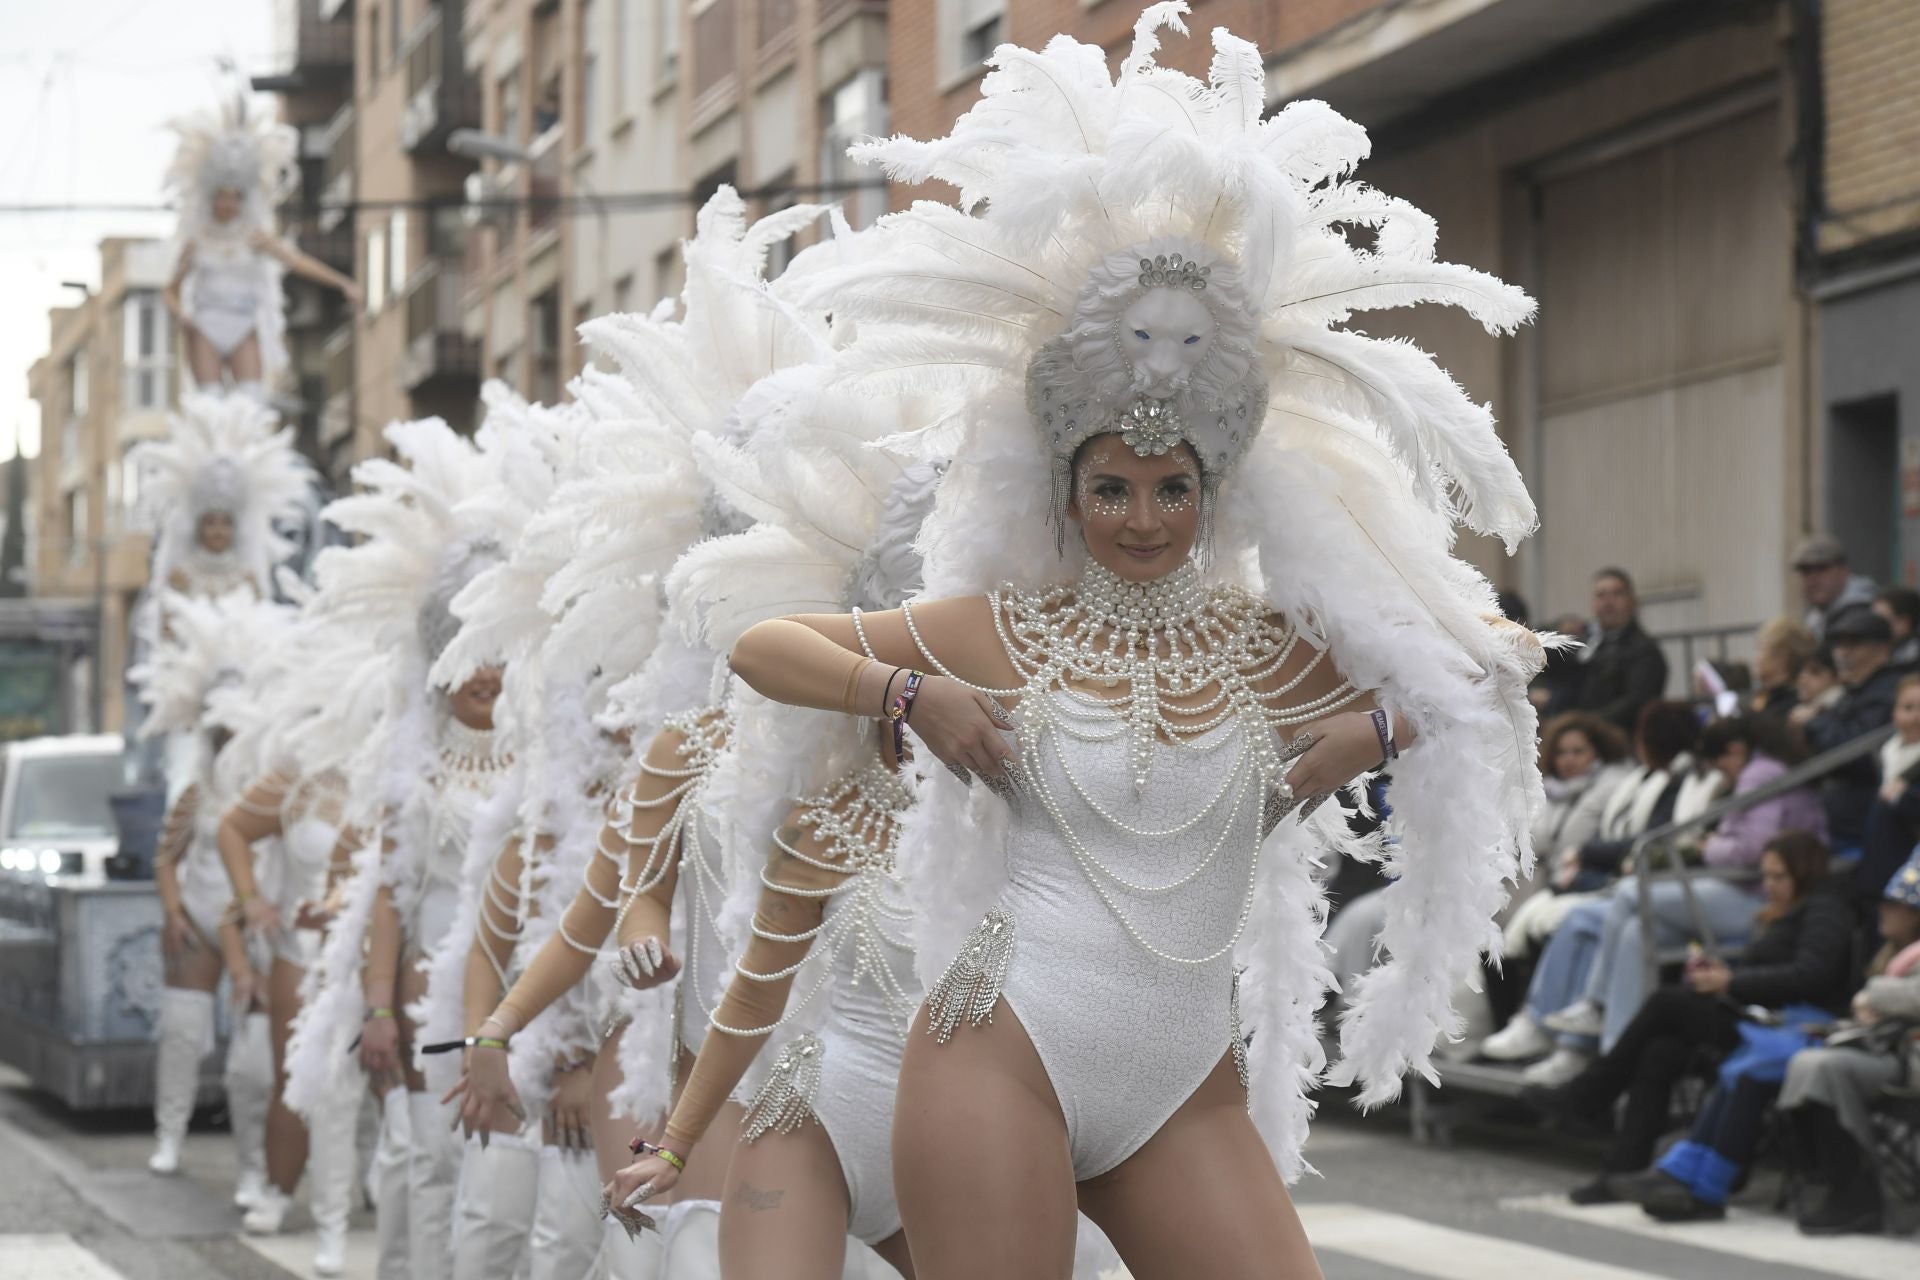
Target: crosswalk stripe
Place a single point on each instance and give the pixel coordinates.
(1444, 1253)
(1764, 1237)
(293, 1251)
(42, 1257)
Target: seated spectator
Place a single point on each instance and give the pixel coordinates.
(1583, 761)
(1665, 785)
(1893, 821)
(1828, 585)
(1829, 1092)
(1800, 956)
(1900, 606)
(1816, 688)
(1623, 667)
(1861, 642)
(1749, 753)
(1780, 651)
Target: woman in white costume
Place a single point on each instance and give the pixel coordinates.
(1245, 601)
(225, 290)
(421, 764)
(657, 881)
(826, 968)
(209, 643)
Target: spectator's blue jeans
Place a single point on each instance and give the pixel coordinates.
(1616, 981)
(1561, 975)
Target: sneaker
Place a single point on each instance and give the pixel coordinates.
(1519, 1040)
(247, 1190)
(1649, 1187)
(1600, 1191)
(1684, 1207)
(1561, 1068)
(268, 1214)
(1581, 1018)
(329, 1251)
(166, 1156)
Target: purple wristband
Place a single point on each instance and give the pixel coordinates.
(1383, 728)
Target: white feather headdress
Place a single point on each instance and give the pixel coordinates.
(229, 149)
(224, 453)
(209, 645)
(1340, 512)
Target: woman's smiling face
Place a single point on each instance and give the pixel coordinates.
(1140, 516)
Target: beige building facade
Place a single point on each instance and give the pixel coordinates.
(105, 385)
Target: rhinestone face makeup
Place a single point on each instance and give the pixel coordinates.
(1104, 506)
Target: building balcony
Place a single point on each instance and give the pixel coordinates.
(318, 51)
(340, 138)
(441, 96)
(439, 353)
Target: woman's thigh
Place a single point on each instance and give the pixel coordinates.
(197, 969)
(981, 1164)
(203, 360)
(283, 1003)
(611, 1133)
(245, 360)
(783, 1214)
(1204, 1186)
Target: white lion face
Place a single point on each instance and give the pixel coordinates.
(1166, 334)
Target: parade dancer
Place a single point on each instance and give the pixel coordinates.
(226, 174)
(209, 643)
(1190, 576)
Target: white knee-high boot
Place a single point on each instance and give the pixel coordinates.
(691, 1232)
(493, 1214)
(392, 1162)
(430, 1186)
(566, 1217)
(186, 1034)
(331, 1165)
(641, 1257)
(249, 1082)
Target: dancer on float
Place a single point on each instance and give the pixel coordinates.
(422, 763)
(285, 827)
(659, 862)
(827, 960)
(528, 1202)
(226, 175)
(209, 643)
(1244, 602)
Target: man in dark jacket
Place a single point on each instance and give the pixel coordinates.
(1862, 643)
(1624, 668)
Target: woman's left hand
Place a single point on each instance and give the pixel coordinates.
(643, 1180)
(1344, 747)
(1710, 977)
(567, 1124)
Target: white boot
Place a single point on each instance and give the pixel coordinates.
(493, 1215)
(623, 1257)
(249, 1081)
(431, 1176)
(392, 1159)
(566, 1213)
(186, 1033)
(269, 1212)
(253, 389)
(691, 1234)
(331, 1166)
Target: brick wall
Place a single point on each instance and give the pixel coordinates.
(922, 108)
(1869, 52)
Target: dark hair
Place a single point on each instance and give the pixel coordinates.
(1822, 657)
(1608, 743)
(1664, 730)
(1904, 601)
(1762, 735)
(1806, 858)
(1615, 571)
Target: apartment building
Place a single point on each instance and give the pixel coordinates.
(104, 386)
(1640, 167)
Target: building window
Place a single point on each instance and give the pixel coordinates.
(779, 255)
(623, 294)
(510, 126)
(147, 360)
(78, 534)
(980, 26)
(376, 270)
(79, 395)
(855, 109)
(668, 12)
(621, 44)
(666, 264)
(589, 75)
(397, 252)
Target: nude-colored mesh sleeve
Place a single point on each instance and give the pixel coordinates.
(176, 834)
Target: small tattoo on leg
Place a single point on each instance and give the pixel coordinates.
(756, 1199)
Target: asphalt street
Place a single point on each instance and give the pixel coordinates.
(76, 1203)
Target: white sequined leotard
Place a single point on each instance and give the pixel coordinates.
(1136, 826)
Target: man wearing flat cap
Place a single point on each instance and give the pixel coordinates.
(1828, 584)
(1862, 643)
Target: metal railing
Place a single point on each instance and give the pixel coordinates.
(1664, 840)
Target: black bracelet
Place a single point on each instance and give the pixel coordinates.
(886, 693)
(1383, 727)
(470, 1042)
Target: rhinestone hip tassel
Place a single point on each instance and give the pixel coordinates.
(1238, 1037)
(785, 1101)
(971, 985)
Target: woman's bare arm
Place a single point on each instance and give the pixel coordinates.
(255, 817)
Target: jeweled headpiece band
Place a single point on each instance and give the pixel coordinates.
(1172, 271)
